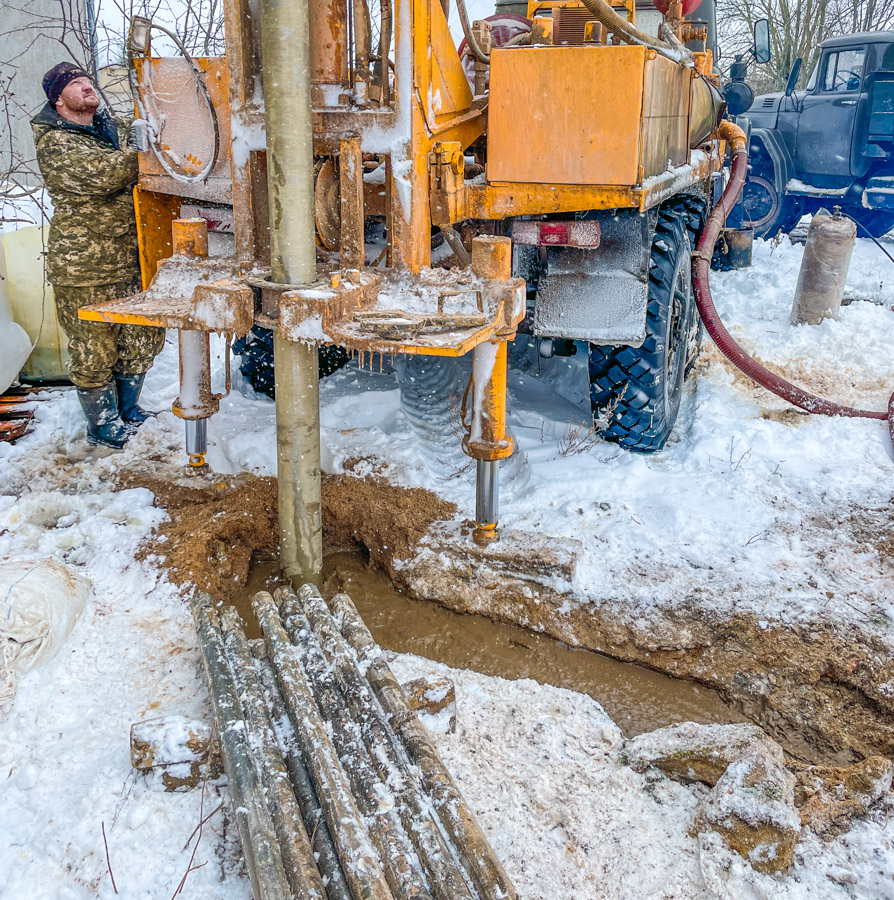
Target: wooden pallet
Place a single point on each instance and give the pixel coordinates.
(17, 408)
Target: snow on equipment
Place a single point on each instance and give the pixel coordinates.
(40, 601)
(592, 139)
(334, 779)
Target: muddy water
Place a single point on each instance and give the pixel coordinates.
(637, 699)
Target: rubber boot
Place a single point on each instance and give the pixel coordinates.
(100, 407)
(128, 388)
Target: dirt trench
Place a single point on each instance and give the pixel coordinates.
(826, 693)
(219, 525)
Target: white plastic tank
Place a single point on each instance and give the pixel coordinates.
(30, 299)
(14, 344)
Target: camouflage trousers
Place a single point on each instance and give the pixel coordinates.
(100, 350)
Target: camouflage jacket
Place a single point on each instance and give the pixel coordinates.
(93, 237)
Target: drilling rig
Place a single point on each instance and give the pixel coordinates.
(568, 163)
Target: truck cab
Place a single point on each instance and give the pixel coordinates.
(830, 143)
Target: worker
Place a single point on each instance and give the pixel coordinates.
(89, 172)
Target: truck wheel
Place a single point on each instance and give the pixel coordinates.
(765, 210)
(256, 366)
(635, 391)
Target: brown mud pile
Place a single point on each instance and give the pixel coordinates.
(219, 524)
(216, 526)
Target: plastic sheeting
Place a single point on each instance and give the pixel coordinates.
(40, 601)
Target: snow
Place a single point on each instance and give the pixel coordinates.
(749, 507)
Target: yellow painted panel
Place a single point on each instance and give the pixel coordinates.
(665, 115)
(565, 115)
(449, 90)
(155, 213)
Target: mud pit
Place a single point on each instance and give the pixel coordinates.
(823, 692)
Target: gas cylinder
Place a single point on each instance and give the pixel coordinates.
(827, 257)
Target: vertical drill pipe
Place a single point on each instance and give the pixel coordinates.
(457, 819)
(298, 458)
(487, 441)
(435, 856)
(265, 867)
(288, 824)
(286, 50)
(196, 403)
(358, 857)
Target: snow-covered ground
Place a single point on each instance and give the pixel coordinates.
(748, 502)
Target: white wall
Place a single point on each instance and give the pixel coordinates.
(29, 46)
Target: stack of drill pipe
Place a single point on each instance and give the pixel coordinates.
(314, 747)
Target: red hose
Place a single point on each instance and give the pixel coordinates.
(701, 260)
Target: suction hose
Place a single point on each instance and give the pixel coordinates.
(701, 261)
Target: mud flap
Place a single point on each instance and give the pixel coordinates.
(599, 295)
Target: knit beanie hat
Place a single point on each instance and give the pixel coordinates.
(56, 80)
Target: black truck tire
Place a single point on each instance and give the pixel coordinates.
(635, 392)
(256, 353)
(766, 210)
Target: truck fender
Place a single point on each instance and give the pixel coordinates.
(599, 295)
(772, 143)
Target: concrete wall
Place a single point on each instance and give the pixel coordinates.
(30, 32)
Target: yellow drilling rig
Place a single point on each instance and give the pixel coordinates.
(567, 162)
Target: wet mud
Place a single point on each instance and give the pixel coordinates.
(637, 699)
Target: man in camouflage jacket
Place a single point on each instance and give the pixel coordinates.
(92, 255)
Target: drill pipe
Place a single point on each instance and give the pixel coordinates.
(294, 845)
(265, 865)
(456, 817)
(356, 852)
(314, 823)
(394, 849)
(444, 874)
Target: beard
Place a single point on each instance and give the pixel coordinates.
(84, 103)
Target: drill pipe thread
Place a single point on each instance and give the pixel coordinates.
(262, 855)
(312, 815)
(436, 855)
(355, 850)
(288, 823)
(384, 828)
(456, 817)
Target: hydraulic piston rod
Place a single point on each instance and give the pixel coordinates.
(487, 492)
(487, 441)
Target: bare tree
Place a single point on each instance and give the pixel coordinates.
(796, 27)
(34, 34)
